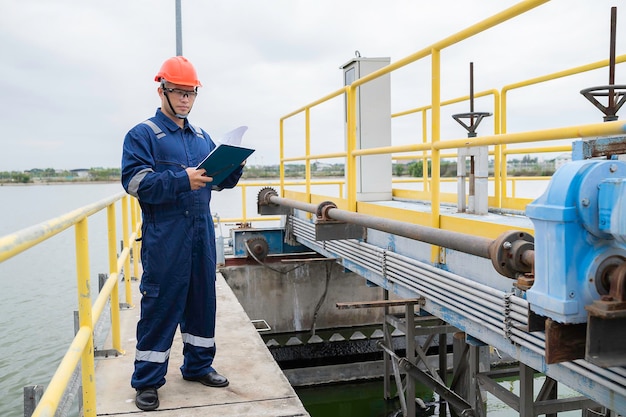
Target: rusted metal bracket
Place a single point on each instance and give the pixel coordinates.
(329, 229)
(564, 342)
(606, 318)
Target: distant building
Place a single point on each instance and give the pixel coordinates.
(80, 173)
(562, 159)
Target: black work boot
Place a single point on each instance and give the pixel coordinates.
(147, 399)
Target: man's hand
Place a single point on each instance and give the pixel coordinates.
(197, 179)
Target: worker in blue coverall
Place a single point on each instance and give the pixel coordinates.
(178, 236)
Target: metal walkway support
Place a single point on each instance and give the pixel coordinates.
(404, 370)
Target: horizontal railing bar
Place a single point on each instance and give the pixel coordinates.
(18, 242)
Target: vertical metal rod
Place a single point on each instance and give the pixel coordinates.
(126, 238)
(526, 391)
(115, 300)
(443, 368)
(612, 56)
(85, 317)
(386, 358)
(474, 369)
(179, 29)
(409, 314)
(443, 356)
(471, 93)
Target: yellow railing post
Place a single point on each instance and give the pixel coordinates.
(243, 203)
(135, 215)
(84, 313)
(115, 301)
(350, 147)
(497, 150)
(126, 238)
(281, 150)
(436, 132)
(425, 184)
(134, 244)
(307, 153)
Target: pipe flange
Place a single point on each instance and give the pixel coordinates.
(322, 210)
(265, 194)
(507, 253)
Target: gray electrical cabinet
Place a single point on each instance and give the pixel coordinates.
(373, 127)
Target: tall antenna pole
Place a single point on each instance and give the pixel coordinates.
(179, 29)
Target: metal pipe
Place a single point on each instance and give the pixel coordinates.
(528, 258)
(433, 282)
(445, 299)
(448, 285)
(397, 265)
(473, 245)
(308, 207)
(449, 301)
(450, 275)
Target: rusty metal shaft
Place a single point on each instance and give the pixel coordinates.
(474, 245)
(511, 254)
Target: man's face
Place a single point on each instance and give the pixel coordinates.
(181, 98)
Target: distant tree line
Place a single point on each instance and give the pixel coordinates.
(527, 166)
(52, 175)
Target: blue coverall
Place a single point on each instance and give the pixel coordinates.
(178, 247)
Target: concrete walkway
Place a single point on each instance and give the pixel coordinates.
(257, 385)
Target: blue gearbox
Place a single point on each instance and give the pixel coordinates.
(580, 230)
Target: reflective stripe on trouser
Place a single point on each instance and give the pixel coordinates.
(178, 288)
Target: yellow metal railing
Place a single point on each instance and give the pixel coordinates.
(245, 186)
(432, 148)
(81, 349)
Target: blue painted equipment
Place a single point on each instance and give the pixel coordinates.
(262, 242)
(580, 238)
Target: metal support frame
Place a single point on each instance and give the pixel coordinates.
(478, 195)
(397, 366)
(525, 403)
(514, 332)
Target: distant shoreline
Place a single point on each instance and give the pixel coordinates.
(30, 184)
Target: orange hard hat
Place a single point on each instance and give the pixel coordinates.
(178, 70)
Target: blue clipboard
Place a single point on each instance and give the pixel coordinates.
(223, 160)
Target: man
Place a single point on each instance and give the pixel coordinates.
(178, 236)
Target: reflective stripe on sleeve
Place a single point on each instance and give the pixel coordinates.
(152, 356)
(133, 185)
(205, 342)
(156, 129)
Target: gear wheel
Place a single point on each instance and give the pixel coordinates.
(257, 247)
(263, 198)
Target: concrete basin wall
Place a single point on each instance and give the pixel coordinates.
(286, 295)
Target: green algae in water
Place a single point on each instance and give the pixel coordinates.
(359, 399)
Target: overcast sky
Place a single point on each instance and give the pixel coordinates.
(76, 75)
